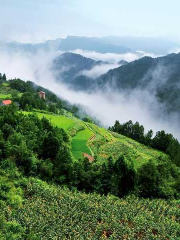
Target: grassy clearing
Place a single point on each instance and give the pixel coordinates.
(6, 91)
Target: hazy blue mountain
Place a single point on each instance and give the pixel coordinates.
(157, 46)
(122, 62)
(68, 44)
(109, 44)
(91, 44)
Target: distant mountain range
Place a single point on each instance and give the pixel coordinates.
(156, 46)
(109, 44)
(68, 44)
(160, 77)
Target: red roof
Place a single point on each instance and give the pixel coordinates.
(7, 102)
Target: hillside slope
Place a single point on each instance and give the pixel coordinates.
(50, 212)
(89, 139)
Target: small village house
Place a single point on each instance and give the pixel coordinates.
(42, 95)
(6, 102)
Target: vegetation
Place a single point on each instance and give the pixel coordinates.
(162, 141)
(50, 212)
(42, 168)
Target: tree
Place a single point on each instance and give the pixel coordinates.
(125, 175)
(148, 180)
(4, 77)
(50, 146)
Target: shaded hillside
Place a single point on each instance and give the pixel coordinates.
(160, 77)
(69, 66)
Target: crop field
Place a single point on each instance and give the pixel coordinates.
(108, 144)
(77, 129)
(104, 144)
(79, 143)
(80, 134)
(49, 212)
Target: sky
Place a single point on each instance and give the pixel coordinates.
(40, 20)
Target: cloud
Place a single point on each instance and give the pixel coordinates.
(113, 57)
(98, 70)
(107, 106)
(107, 57)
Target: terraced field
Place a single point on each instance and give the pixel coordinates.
(75, 127)
(104, 143)
(79, 143)
(108, 144)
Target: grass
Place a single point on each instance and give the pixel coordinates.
(77, 129)
(58, 120)
(105, 143)
(4, 96)
(6, 91)
(108, 144)
(79, 143)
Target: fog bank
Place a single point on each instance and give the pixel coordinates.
(107, 107)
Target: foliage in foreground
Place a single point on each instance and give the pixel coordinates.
(50, 212)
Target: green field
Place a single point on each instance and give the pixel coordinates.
(79, 143)
(78, 130)
(6, 91)
(107, 144)
(58, 120)
(4, 96)
(50, 212)
(104, 144)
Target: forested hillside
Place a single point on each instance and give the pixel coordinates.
(48, 157)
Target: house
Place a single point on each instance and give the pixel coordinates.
(42, 95)
(6, 102)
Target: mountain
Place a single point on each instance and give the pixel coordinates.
(68, 44)
(91, 44)
(122, 62)
(108, 44)
(157, 46)
(71, 68)
(159, 76)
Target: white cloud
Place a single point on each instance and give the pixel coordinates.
(98, 70)
(139, 106)
(107, 57)
(113, 57)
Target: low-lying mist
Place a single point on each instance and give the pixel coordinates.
(107, 107)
